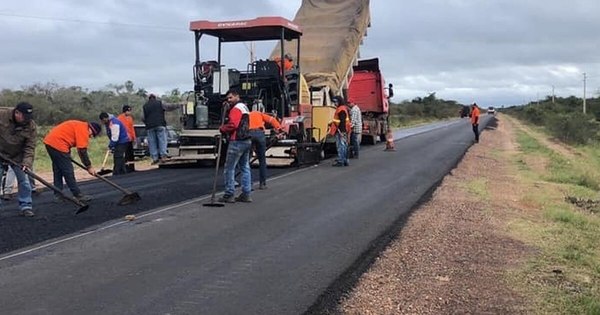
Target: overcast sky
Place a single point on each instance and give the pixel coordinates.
(494, 52)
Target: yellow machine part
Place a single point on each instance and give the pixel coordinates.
(321, 117)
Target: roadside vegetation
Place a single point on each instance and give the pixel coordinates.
(560, 159)
(422, 110)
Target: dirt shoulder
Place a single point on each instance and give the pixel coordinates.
(454, 254)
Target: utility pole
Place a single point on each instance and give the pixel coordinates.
(553, 94)
(584, 82)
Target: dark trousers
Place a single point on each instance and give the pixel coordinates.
(355, 144)
(129, 158)
(476, 132)
(119, 159)
(259, 145)
(62, 167)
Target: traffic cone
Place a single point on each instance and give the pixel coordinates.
(389, 141)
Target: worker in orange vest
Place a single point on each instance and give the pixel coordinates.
(288, 63)
(259, 142)
(127, 120)
(59, 141)
(340, 128)
(475, 120)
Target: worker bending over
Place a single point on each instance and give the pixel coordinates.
(259, 142)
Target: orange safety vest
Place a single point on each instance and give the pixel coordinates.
(258, 120)
(475, 115)
(69, 134)
(336, 120)
(128, 123)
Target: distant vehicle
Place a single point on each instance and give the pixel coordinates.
(465, 111)
(140, 145)
(491, 110)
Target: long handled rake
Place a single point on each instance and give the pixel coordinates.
(82, 206)
(130, 196)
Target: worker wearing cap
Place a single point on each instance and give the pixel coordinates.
(18, 134)
(59, 141)
(117, 141)
(259, 142)
(340, 127)
(127, 120)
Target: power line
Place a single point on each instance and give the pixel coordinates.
(159, 27)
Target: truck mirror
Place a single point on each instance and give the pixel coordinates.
(390, 90)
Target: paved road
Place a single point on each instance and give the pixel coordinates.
(274, 256)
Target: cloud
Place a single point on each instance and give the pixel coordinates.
(495, 52)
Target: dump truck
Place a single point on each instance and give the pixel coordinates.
(367, 89)
(300, 97)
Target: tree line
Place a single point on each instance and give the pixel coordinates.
(563, 118)
(54, 103)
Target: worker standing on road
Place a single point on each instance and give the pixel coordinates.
(127, 120)
(118, 139)
(59, 141)
(259, 142)
(475, 120)
(18, 134)
(356, 134)
(238, 151)
(156, 125)
(339, 127)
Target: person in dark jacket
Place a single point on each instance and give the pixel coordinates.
(118, 141)
(156, 125)
(18, 134)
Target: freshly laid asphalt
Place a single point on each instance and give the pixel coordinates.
(276, 255)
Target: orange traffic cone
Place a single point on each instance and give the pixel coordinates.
(389, 141)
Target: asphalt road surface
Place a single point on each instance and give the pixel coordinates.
(277, 255)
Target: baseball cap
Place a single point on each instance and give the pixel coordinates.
(96, 129)
(26, 109)
(126, 108)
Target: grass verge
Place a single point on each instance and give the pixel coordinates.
(564, 276)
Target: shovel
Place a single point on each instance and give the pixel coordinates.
(129, 198)
(212, 202)
(102, 171)
(82, 206)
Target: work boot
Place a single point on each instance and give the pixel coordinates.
(83, 198)
(58, 199)
(227, 199)
(27, 212)
(262, 186)
(154, 162)
(243, 198)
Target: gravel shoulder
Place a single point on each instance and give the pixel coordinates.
(454, 254)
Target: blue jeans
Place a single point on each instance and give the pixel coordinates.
(341, 142)
(24, 194)
(157, 142)
(238, 155)
(259, 143)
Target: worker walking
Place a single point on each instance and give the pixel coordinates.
(475, 120)
(18, 134)
(356, 133)
(59, 141)
(259, 142)
(118, 139)
(238, 151)
(339, 127)
(127, 119)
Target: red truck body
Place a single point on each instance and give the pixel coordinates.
(367, 90)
